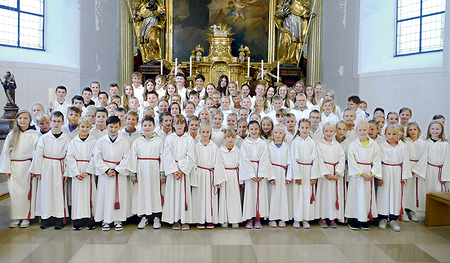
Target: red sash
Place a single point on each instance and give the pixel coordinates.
(312, 199)
(337, 186)
(443, 186)
(117, 200)
(237, 172)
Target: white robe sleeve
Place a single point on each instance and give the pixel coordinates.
(420, 167)
(36, 164)
(265, 167)
(245, 166)
(71, 160)
(5, 158)
(100, 166)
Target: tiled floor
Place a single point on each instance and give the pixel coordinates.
(415, 243)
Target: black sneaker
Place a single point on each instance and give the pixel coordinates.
(46, 223)
(364, 226)
(353, 224)
(76, 228)
(59, 225)
(91, 225)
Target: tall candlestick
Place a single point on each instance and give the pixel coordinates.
(262, 69)
(190, 67)
(248, 68)
(278, 71)
(162, 67)
(176, 62)
(237, 83)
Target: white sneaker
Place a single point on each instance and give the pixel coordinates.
(281, 224)
(156, 223)
(413, 217)
(235, 225)
(118, 226)
(14, 223)
(143, 223)
(395, 226)
(405, 217)
(25, 223)
(105, 226)
(296, 224)
(382, 224)
(225, 225)
(306, 224)
(272, 224)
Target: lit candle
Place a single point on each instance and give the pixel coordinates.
(237, 83)
(262, 69)
(176, 62)
(248, 68)
(161, 67)
(278, 72)
(190, 67)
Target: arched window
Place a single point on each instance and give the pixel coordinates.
(420, 26)
(22, 23)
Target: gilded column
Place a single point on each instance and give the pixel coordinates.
(125, 52)
(315, 47)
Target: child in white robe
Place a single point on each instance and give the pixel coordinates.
(255, 170)
(207, 178)
(217, 133)
(178, 160)
(15, 161)
(438, 174)
(327, 112)
(415, 197)
(111, 155)
(316, 129)
(302, 152)
(49, 167)
(364, 164)
(71, 128)
(145, 167)
(230, 208)
(279, 204)
(82, 171)
(395, 171)
(328, 170)
(349, 117)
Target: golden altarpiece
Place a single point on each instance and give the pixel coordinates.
(146, 36)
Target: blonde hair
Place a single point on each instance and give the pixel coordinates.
(15, 133)
(281, 127)
(125, 97)
(413, 124)
(229, 132)
(329, 124)
(442, 135)
(86, 120)
(206, 125)
(325, 101)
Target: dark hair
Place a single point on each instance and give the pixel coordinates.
(61, 87)
(200, 76)
(180, 74)
(102, 92)
(162, 114)
(57, 114)
(101, 109)
(153, 92)
(219, 87)
(113, 85)
(120, 109)
(75, 109)
(112, 120)
(379, 109)
(86, 89)
(194, 93)
(355, 99)
(77, 97)
(179, 118)
(172, 105)
(438, 116)
(94, 82)
(148, 118)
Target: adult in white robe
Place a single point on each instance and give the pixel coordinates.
(281, 194)
(415, 197)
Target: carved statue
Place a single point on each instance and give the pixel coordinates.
(291, 19)
(148, 20)
(197, 53)
(244, 53)
(9, 85)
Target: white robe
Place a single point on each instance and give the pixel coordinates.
(281, 194)
(302, 153)
(332, 118)
(147, 196)
(390, 195)
(330, 194)
(178, 156)
(71, 134)
(119, 152)
(301, 114)
(256, 195)
(317, 135)
(217, 136)
(205, 192)
(415, 197)
(97, 133)
(51, 198)
(360, 199)
(84, 192)
(438, 154)
(230, 208)
(20, 183)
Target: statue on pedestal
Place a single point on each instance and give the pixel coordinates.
(291, 18)
(9, 86)
(148, 20)
(197, 53)
(10, 110)
(244, 53)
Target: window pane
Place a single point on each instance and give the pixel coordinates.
(9, 3)
(408, 9)
(433, 32)
(31, 31)
(432, 6)
(408, 36)
(8, 27)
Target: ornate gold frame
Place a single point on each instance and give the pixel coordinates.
(168, 41)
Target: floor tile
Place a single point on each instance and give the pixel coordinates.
(346, 236)
(441, 231)
(98, 253)
(52, 253)
(230, 253)
(321, 253)
(151, 237)
(441, 252)
(70, 237)
(110, 237)
(277, 253)
(368, 253)
(15, 252)
(406, 253)
(310, 236)
(144, 253)
(189, 253)
(29, 236)
(388, 236)
(191, 237)
(269, 236)
(231, 237)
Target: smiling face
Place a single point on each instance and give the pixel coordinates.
(305, 129)
(362, 130)
(266, 126)
(231, 121)
(85, 128)
(278, 134)
(23, 120)
(148, 127)
(205, 132)
(435, 131)
(246, 103)
(391, 135)
(405, 116)
(113, 128)
(328, 132)
(341, 129)
(413, 132)
(373, 130)
(179, 127)
(253, 130)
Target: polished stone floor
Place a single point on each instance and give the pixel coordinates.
(415, 243)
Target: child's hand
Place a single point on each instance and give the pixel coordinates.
(38, 176)
(380, 182)
(298, 181)
(134, 181)
(443, 182)
(8, 175)
(162, 181)
(80, 177)
(366, 177)
(313, 181)
(336, 177)
(288, 182)
(272, 182)
(218, 186)
(65, 178)
(404, 181)
(329, 177)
